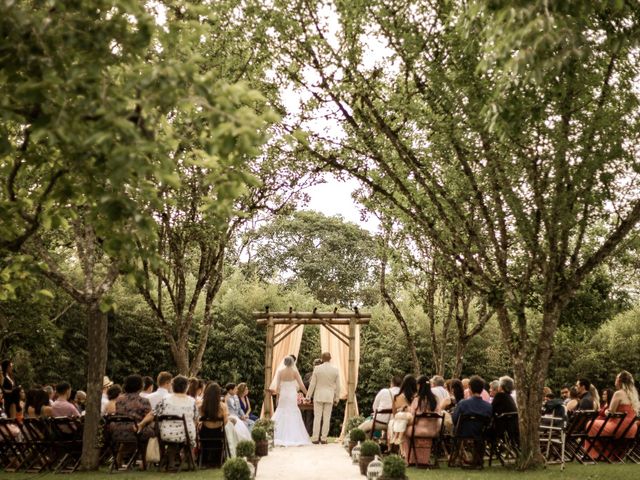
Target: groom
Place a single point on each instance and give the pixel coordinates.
(324, 388)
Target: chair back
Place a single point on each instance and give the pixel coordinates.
(580, 422)
(472, 426)
(433, 418)
(160, 419)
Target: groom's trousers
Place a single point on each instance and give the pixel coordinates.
(321, 414)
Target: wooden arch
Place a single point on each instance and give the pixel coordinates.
(294, 320)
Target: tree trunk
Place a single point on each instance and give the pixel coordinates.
(180, 355)
(96, 366)
(461, 347)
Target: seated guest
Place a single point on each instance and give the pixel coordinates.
(245, 403)
(51, 392)
(564, 393)
(233, 405)
(438, 389)
(383, 401)
(235, 412)
(425, 429)
(586, 399)
(164, 385)
(401, 409)
(147, 386)
(38, 405)
(503, 403)
(113, 392)
(80, 401)
(607, 394)
(213, 418)
(180, 404)
(10, 393)
(553, 407)
(456, 395)
(196, 389)
(473, 405)
(574, 399)
(596, 396)
(493, 388)
(624, 400)
(106, 383)
(62, 407)
(130, 403)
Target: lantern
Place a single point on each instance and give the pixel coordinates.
(374, 470)
(355, 454)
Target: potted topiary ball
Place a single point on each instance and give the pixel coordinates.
(259, 436)
(368, 450)
(393, 468)
(356, 435)
(236, 469)
(247, 450)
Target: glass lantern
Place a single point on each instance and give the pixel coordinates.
(252, 468)
(374, 470)
(355, 454)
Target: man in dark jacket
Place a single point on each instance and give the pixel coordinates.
(586, 400)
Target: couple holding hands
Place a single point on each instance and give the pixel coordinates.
(324, 388)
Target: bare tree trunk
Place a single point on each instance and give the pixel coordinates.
(398, 314)
(97, 327)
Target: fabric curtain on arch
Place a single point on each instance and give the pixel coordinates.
(340, 359)
(288, 346)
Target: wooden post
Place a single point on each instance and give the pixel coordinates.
(268, 372)
(351, 379)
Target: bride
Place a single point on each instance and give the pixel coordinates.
(289, 429)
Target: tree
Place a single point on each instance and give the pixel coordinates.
(502, 133)
(87, 129)
(333, 258)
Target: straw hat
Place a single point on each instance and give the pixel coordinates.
(106, 383)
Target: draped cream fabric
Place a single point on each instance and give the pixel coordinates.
(340, 359)
(288, 346)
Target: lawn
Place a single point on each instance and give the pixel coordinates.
(553, 472)
(572, 472)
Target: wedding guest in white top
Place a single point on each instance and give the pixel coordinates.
(438, 389)
(106, 383)
(383, 401)
(178, 403)
(164, 385)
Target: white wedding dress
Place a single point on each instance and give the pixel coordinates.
(289, 429)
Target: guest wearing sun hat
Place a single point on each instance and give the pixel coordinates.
(106, 383)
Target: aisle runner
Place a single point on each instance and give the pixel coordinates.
(316, 462)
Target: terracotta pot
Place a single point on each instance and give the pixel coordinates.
(262, 448)
(351, 445)
(364, 463)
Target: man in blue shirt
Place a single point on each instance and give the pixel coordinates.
(473, 405)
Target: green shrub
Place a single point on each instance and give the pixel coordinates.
(353, 422)
(393, 467)
(357, 435)
(246, 448)
(264, 423)
(258, 434)
(369, 448)
(236, 469)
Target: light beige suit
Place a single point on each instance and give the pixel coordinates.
(325, 390)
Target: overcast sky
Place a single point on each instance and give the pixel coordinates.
(334, 198)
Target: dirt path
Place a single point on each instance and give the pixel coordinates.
(316, 462)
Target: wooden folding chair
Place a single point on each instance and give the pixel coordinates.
(15, 448)
(477, 442)
(67, 442)
(600, 441)
(220, 444)
(123, 442)
(376, 422)
(505, 441)
(633, 448)
(39, 438)
(436, 418)
(168, 448)
(576, 434)
(553, 439)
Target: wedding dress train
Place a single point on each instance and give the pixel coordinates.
(289, 429)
